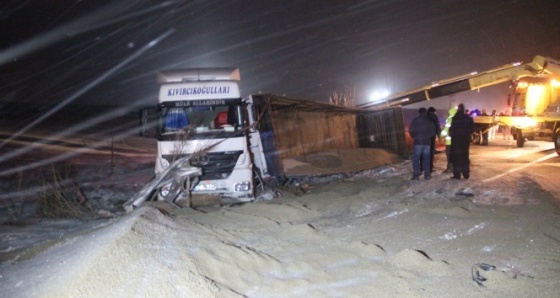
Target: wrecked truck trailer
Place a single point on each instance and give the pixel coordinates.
(296, 139)
(236, 146)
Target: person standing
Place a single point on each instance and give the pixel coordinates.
(493, 126)
(445, 134)
(434, 117)
(506, 129)
(422, 130)
(484, 129)
(462, 127)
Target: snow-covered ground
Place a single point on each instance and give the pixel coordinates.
(376, 234)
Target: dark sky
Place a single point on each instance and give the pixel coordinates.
(99, 52)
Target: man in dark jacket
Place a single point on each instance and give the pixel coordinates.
(422, 130)
(462, 127)
(434, 117)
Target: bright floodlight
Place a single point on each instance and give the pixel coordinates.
(378, 95)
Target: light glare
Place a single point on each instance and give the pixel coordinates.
(378, 95)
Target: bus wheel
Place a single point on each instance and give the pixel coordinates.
(519, 138)
(556, 138)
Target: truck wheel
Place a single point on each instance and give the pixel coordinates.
(556, 138)
(519, 138)
(476, 139)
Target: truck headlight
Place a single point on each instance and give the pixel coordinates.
(243, 186)
(164, 191)
(524, 122)
(164, 163)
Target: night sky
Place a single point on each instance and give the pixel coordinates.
(108, 52)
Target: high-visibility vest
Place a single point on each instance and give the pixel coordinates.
(445, 130)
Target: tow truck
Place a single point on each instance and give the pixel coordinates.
(535, 102)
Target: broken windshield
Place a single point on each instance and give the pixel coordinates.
(221, 120)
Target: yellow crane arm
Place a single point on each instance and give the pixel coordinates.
(540, 66)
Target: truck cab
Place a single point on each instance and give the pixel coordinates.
(201, 117)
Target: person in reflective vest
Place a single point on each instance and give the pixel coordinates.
(445, 134)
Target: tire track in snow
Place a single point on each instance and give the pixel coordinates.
(552, 155)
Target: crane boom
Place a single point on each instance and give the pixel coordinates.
(540, 66)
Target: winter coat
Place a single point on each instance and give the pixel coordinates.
(462, 127)
(435, 118)
(422, 130)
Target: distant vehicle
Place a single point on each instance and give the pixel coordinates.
(535, 105)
